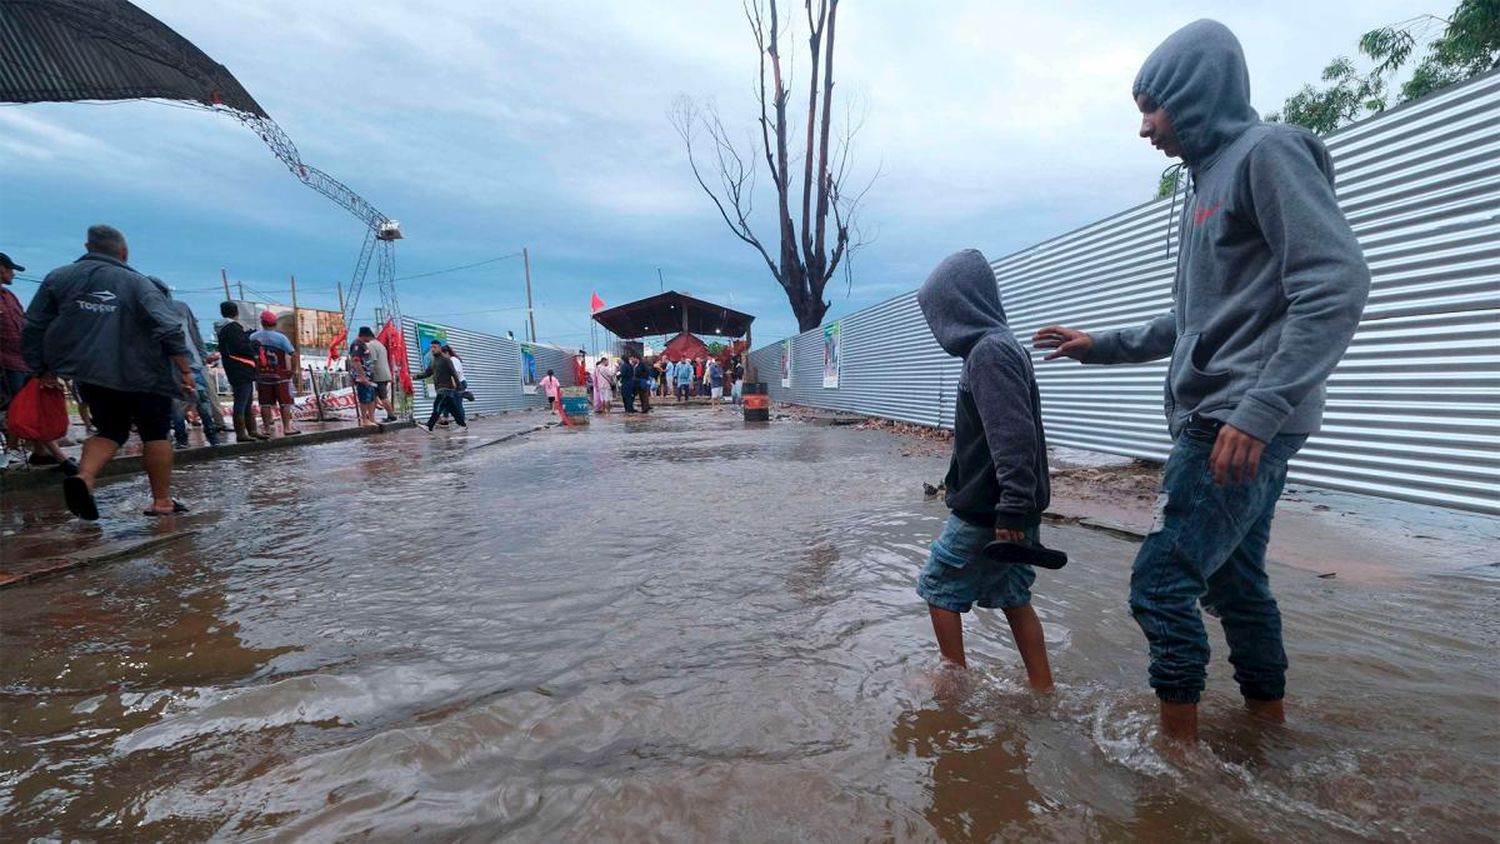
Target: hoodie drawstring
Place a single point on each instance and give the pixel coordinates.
(1178, 172)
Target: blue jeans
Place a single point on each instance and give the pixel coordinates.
(244, 397)
(207, 413)
(1208, 544)
(450, 401)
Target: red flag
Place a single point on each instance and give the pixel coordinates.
(395, 345)
(596, 304)
(338, 343)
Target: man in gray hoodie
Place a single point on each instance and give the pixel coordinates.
(106, 326)
(997, 483)
(1270, 286)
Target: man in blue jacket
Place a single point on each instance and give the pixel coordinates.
(1270, 286)
(107, 327)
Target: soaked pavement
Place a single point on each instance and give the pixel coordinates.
(675, 628)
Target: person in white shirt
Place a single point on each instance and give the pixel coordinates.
(380, 360)
(458, 372)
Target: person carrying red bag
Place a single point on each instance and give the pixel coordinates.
(15, 374)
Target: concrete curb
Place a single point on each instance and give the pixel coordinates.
(15, 481)
(1100, 525)
(92, 557)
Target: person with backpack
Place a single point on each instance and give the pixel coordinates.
(273, 374)
(238, 355)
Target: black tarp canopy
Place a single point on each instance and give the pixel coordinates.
(69, 50)
(673, 312)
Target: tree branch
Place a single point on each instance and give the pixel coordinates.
(684, 118)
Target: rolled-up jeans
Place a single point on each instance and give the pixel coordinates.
(1208, 544)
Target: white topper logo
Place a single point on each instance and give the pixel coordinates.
(104, 296)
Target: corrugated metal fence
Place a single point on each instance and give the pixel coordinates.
(1413, 409)
(492, 368)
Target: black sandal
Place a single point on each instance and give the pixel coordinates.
(1025, 553)
(177, 507)
(80, 499)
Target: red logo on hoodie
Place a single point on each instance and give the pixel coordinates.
(1201, 215)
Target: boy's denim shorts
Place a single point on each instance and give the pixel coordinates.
(955, 579)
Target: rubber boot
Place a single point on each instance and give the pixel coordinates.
(241, 435)
(251, 429)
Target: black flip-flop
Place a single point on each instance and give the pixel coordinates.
(177, 507)
(1025, 553)
(79, 499)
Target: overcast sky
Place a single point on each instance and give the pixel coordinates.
(485, 127)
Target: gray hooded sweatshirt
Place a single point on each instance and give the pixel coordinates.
(100, 322)
(1270, 281)
(998, 474)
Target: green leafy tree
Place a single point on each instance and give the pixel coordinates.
(1348, 96)
(1468, 45)
(1446, 50)
(1169, 183)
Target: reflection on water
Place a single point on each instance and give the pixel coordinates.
(582, 635)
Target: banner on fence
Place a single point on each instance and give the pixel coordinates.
(528, 368)
(786, 362)
(832, 353)
(306, 406)
(425, 335)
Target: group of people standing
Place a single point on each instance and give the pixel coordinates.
(636, 381)
(370, 367)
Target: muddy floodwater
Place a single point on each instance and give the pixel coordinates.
(678, 628)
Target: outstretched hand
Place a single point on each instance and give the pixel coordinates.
(1064, 342)
(1236, 455)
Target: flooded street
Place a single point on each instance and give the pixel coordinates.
(678, 628)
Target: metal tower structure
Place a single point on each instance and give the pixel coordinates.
(381, 232)
(74, 50)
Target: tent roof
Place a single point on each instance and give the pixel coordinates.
(663, 314)
(65, 50)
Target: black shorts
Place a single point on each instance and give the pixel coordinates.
(115, 411)
(382, 390)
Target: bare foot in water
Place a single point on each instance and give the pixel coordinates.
(951, 682)
(1269, 711)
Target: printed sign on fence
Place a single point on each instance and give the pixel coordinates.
(832, 354)
(425, 335)
(528, 369)
(786, 363)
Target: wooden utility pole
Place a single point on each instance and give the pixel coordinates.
(530, 314)
(296, 332)
(224, 276)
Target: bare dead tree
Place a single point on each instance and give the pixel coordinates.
(809, 254)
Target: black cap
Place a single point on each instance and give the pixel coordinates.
(5, 261)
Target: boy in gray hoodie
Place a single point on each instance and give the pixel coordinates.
(997, 483)
(1270, 286)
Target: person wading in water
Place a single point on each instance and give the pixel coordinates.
(1270, 286)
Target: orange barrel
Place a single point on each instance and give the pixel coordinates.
(756, 402)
